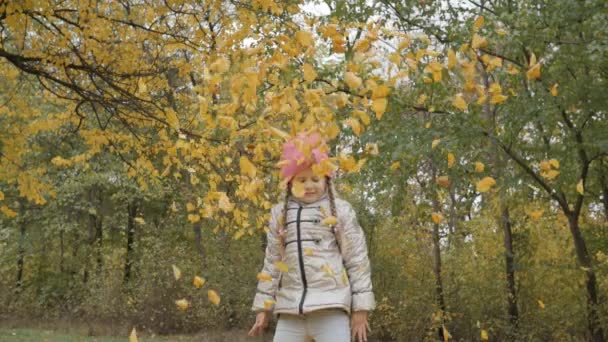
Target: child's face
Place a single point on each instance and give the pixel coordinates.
(314, 186)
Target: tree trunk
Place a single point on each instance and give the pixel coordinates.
(21, 249)
(132, 212)
(61, 251)
(584, 260)
(198, 241)
(510, 269)
(437, 260)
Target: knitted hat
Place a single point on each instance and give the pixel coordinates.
(307, 149)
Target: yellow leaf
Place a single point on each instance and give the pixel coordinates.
(535, 215)
(224, 203)
(451, 160)
(533, 72)
(484, 335)
(443, 181)
(213, 297)
(182, 304)
(220, 65)
(350, 165)
(355, 125)
(554, 163)
(554, 89)
(309, 251)
(551, 174)
(379, 106)
(328, 271)
(501, 32)
(421, 99)
(177, 273)
(446, 334)
(479, 167)
(8, 212)
(478, 42)
(459, 103)
(140, 220)
(478, 23)
(395, 165)
(485, 184)
(239, 234)
(579, 187)
(268, 304)
(297, 189)
(198, 282)
(362, 116)
(541, 304)
(437, 217)
(344, 277)
(190, 207)
(451, 59)
(264, 277)
(428, 125)
(277, 132)
(1, 196)
(193, 218)
(309, 72)
(133, 336)
(498, 98)
(247, 168)
(372, 149)
(435, 143)
(172, 119)
(304, 38)
(352, 80)
(281, 266)
(330, 221)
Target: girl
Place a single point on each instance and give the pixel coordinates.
(316, 270)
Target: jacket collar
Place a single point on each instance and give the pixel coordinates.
(323, 197)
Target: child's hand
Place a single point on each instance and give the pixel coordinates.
(359, 326)
(261, 322)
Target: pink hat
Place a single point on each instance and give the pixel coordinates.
(295, 157)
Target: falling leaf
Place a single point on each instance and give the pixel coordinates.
(395, 165)
(498, 98)
(533, 68)
(443, 181)
(8, 212)
(139, 220)
(479, 167)
(182, 304)
(133, 336)
(485, 184)
(535, 215)
(247, 168)
(309, 72)
(554, 163)
(281, 266)
(379, 107)
(264, 277)
(213, 297)
(268, 304)
(298, 190)
(198, 282)
(437, 217)
(351, 165)
(478, 23)
(551, 174)
(459, 103)
(330, 221)
(193, 218)
(484, 335)
(541, 304)
(478, 42)
(177, 273)
(435, 143)
(446, 334)
(554, 89)
(579, 187)
(451, 160)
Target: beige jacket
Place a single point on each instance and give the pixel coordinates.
(324, 269)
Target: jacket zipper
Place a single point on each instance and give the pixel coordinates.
(301, 259)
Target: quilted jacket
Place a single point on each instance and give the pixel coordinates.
(326, 267)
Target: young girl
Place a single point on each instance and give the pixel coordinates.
(316, 270)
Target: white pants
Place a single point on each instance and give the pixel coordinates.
(322, 326)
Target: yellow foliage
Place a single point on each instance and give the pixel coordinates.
(213, 297)
(485, 184)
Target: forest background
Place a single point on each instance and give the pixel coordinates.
(139, 142)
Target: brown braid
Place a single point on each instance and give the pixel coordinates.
(332, 207)
(283, 224)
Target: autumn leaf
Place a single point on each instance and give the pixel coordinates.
(220, 65)
(8, 212)
(139, 220)
(443, 181)
(551, 174)
(379, 106)
(484, 335)
(479, 167)
(1, 196)
(533, 69)
(437, 217)
(579, 187)
(350, 165)
(478, 42)
(309, 72)
(485, 184)
(264, 277)
(268, 304)
(177, 273)
(213, 297)
(355, 125)
(498, 98)
(478, 23)
(459, 103)
(395, 165)
(309, 251)
(352, 80)
(372, 149)
(451, 160)
(281, 266)
(554, 89)
(328, 271)
(541, 304)
(344, 277)
(193, 218)
(304, 38)
(279, 133)
(247, 168)
(451, 59)
(435, 143)
(198, 282)
(535, 215)
(298, 190)
(182, 304)
(133, 335)
(330, 221)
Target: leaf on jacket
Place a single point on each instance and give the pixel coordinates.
(264, 277)
(281, 266)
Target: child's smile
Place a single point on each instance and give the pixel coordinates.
(314, 186)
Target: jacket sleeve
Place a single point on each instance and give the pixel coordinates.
(265, 291)
(353, 247)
